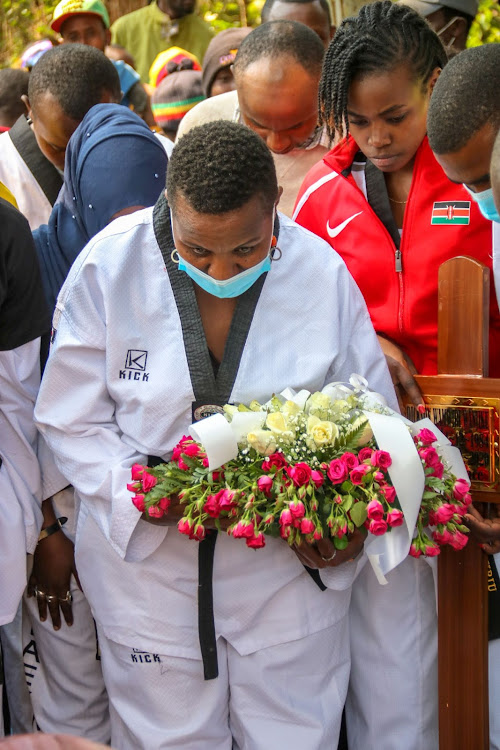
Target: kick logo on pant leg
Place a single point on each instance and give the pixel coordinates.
(144, 657)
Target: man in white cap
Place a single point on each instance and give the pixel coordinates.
(450, 20)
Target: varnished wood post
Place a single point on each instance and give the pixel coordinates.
(462, 599)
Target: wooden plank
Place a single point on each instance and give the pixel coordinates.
(463, 317)
(462, 592)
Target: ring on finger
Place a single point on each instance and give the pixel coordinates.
(51, 598)
(66, 599)
(39, 593)
(329, 559)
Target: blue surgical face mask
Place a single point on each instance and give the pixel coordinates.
(485, 203)
(233, 287)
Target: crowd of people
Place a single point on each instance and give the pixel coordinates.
(192, 219)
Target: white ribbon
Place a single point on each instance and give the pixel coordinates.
(407, 475)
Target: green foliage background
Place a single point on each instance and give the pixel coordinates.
(486, 27)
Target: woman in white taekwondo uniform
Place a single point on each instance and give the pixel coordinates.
(170, 309)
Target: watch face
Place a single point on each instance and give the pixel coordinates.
(206, 410)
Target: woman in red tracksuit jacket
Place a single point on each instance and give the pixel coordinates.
(379, 197)
(384, 204)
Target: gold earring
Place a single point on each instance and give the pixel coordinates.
(174, 251)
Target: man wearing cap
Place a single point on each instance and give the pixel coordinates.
(161, 24)
(450, 20)
(87, 22)
(218, 75)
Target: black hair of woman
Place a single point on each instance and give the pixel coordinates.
(231, 163)
(383, 36)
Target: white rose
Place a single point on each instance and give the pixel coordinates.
(280, 426)
(263, 441)
(322, 432)
(318, 402)
(290, 409)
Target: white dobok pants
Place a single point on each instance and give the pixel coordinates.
(287, 696)
(63, 672)
(392, 703)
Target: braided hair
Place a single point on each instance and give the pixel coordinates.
(381, 37)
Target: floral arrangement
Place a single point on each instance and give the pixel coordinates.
(307, 471)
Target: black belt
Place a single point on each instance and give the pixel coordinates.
(206, 620)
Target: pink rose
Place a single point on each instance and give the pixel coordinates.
(300, 474)
(155, 512)
(350, 460)
(182, 464)
(134, 487)
(136, 471)
(138, 501)
(212, 506)
(148, 481)
(378, 476)
(204, 462)
(414, 551)
(443, 514)
(442, 537)
(429, 456)
(381, 459)
(243, 530)
(265, 484)
(198, 533)
(458, 540)
(257, 541)
(226, 500)
(179, 448)
(297, 509)
(286, 517)
(377, 528)
(460, 489)
(388, 492)
(375, 510)
(307, 526)
(185, 526)
(285, 531)
(276, 460)
(192, 450)
(164, 503)
(431, 550)
(318, 535)
(395, 518)
(467, 500)
(437, 470)
(426, 436)
(317, 477)
(341, 531)
(337, 471)
(365, 454)
(357, 474)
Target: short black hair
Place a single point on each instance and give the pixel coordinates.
(268, 5)
(13, 85)
(382, 37)
(281, 39)
(465, 98)
(220, 166)
(76, 75)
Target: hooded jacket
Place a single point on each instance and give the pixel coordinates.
(398, 276)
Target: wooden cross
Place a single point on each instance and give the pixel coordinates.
(463, 385)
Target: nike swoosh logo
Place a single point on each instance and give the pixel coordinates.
(337, 230)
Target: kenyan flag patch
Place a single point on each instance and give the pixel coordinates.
(451, 212)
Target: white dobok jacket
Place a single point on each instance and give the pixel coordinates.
(117, 387)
